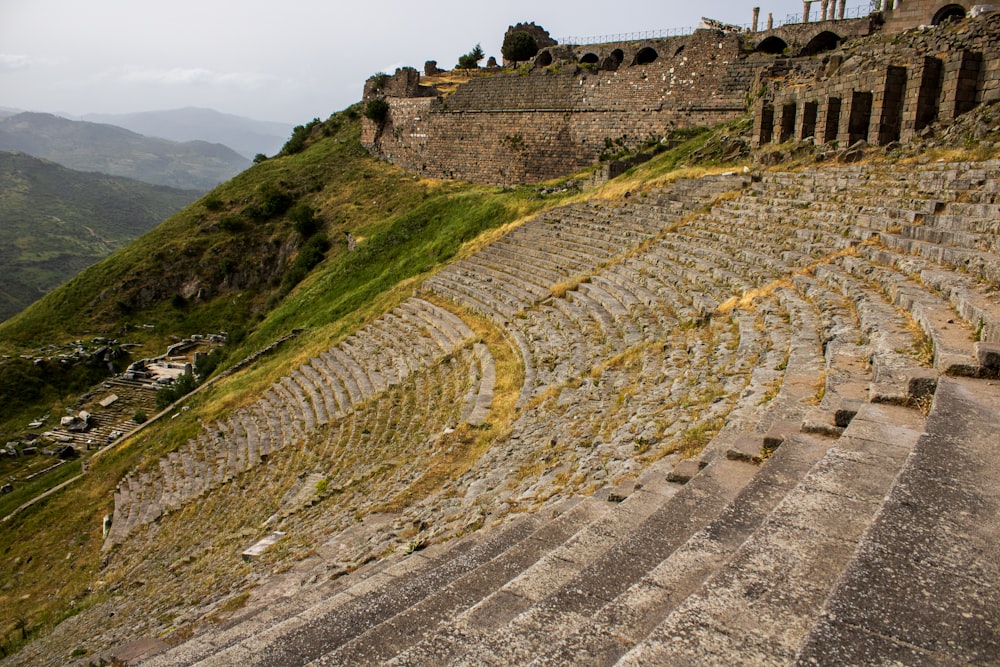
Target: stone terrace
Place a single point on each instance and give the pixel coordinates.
(757, 424)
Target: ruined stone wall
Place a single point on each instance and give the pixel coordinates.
(886, 90)
(530, 126)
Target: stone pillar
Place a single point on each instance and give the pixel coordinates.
(763, 125)
(828, 120)
(843, 8)
(756, 16)
(887, 106)
(805, 11)
(822, 10)
(959, 84)
(770, 21)
(805, 123)
(920, 108)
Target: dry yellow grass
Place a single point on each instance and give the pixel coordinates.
(747, 299)
(466, 444)
(560, 289)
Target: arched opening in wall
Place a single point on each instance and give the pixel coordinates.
(543, 59)
(825, 41)
(645, 56)
(589, 59)
(948, 13)
(772, 45)
(614, 60)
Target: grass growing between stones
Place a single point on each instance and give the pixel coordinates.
(462, 448)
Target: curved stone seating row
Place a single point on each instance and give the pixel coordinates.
(326, 388)
(521, 268)
(398, 429)
(741, 560)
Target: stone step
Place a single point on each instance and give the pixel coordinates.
(760, 607)
(331, 622)
(921, 587)
(471, 297)
(627, 618)
(896, 376)
(388, 638)
(512, 625)
(952, 339)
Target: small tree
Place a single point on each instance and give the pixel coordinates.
(519, 46)
(471, 59)
(376, 110)
(303, 217)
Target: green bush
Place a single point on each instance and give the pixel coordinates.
(140, 417)
(271, 201)
(519, 46)
(303, 217)
(471, 59)
(311, 254)
(231, 223)
(181, 387)
(376, 110)
(297, 142)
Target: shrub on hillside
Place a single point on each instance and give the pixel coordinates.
(297, 142)
(181, 387)
(311, 254)
(303, 217)
(376, 110)
(271, 201)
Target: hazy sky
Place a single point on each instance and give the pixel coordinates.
(283, 60)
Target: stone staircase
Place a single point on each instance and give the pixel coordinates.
(743, 401)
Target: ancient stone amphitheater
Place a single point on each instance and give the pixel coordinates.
(825, 342)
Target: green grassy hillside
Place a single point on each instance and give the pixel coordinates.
(260, 255)
(56, 222)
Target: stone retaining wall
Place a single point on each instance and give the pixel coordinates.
(886, 91)
(532, 125)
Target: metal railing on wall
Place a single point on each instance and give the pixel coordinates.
(791, 19)
(626, 36)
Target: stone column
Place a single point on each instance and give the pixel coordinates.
(843, 8)
(805, 11)
(823, 7)
(770, 21)
(756, 16)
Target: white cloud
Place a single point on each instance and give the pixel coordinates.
(178, 76)
(9, 62)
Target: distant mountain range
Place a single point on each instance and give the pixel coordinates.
(86, 146)
(244, 135)
(54, 222)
